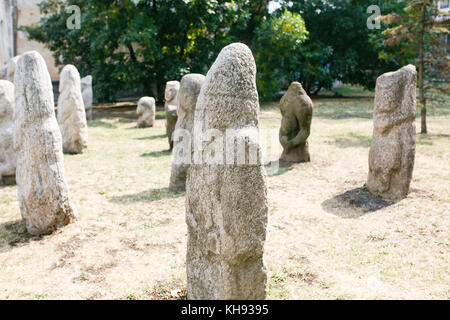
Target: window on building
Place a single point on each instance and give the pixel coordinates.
(444, 4)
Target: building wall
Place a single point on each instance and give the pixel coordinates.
(6, 41)
(27, 14)
(444, 5)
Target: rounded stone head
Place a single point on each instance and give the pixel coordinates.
(6, 99)
(229, 96)
(69, 78)
(296, 87)
(145, 104)
(86, 81)
(190, 86)
(392, 87)
(33, 88)
(171, 91)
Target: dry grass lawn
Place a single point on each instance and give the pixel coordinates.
(327, 237)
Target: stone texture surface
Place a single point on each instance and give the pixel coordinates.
(7, 153)
(170, 107)
(146, 110)
(296, 110)
(11, 68)
(71, 112)
(42, 189)
(88, 95)
(190, 86)
(392, 151)
(226, 204)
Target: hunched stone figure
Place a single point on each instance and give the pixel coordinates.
(170, 107)
(296, 110)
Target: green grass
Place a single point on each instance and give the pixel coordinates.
(356, 102)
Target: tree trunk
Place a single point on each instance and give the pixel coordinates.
(422, 100)
(317, 90)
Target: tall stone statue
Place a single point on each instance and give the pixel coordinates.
(7, 153)
(71, 113)
(226, 197)
(42, 189)
(392, 151)
(171, 105)
(88, 95)
(296, 111)
(190, 86)
(11, 68)
(146, 110)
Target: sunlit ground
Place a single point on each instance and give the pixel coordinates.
(327, 237)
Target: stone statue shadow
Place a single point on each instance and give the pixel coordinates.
(430, 138)
(160, 136)
(354, 203)
(101, 124)
(273, 169)
(351, 140)
(125, 114)
(14, 234)
(7, 182)
(148, 196)
(157, 154)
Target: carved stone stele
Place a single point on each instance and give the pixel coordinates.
(170, 107)
(392, 151)
(190, 86)
(7, 152)
(71, 112)
(41, 183)
(11, 68)
(146, 110)
(88, 95)
(226, 200)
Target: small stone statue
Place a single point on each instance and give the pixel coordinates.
(171, 105)
(296, 110)
(7, 153)
(88, 95)
(146, 112)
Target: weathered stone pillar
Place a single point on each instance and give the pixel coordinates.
(392, 151)
(71, 112)
(170, 107)
(42, 189)
(88, 95)
(11, 68)
(190, 86)
(226, 196)
(7, 153)
(146, 111)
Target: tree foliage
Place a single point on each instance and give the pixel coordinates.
(340, 45)
(128, 46)
(418, 30)
(276, 45)
(139, 45)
